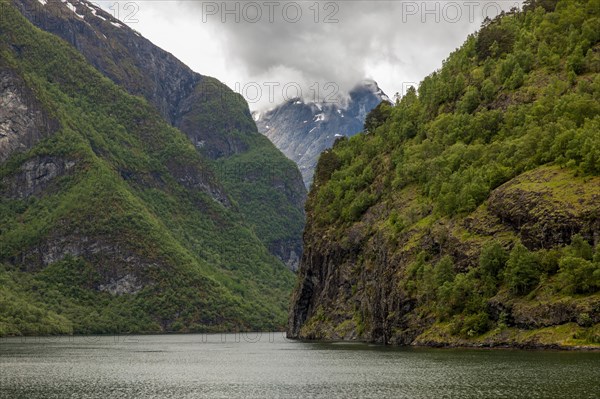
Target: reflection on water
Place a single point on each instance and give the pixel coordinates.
(269, 366)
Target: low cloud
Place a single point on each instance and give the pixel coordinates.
(270, 50)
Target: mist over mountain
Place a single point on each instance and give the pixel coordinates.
(302, 130)
(395, 43)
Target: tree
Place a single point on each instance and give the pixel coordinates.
(579, 275)
(516, 79)
(444, 271)
(493, 259)
(548, 5)
(591, 148)
(522, 272)
(488, 90)
(470, 101)
(378, 116)
(328, 163)
(493, 41)
(580, 248)
(576, 61)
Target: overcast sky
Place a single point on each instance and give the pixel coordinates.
(271, 50)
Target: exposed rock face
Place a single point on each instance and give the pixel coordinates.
(35, 176)
(194, 176)
(143, 69)
(302, 131)
(124, 56)
(351, 279)
(541, 217)
(127, 284)
(216, 119)
(212, 115)
(23, 120)
(120, 269)
(289, 252)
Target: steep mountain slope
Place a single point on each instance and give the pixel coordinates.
(110, 220)
(303, 130)
(270, 194)
(470, 212)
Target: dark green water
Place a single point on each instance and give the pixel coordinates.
(269, 366)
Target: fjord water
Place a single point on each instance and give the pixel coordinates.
(269, 366)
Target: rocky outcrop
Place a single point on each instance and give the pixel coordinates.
(115, 222)
(127, 284)
(35, 176)
(288, 252)
(119, 269)
(140, 67)
(303, 130)
(216, 120)
(543, 215)
(120, 53)
(23, 120)
(197, 177)
(352, 279)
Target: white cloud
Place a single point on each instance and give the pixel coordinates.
(392, 42)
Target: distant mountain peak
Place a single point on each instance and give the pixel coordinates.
(303, 129)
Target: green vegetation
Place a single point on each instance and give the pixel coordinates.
(139, 210)
(250, 177)
(481, 119)
(463, 298)
(480, 188)
(522, 270)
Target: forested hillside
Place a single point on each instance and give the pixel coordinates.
(469, 212)
(110, 219)
(264, 185)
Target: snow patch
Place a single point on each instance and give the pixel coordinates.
(118, 25)
(257, 117)
(43, 2)
(70, 7)
(319, 117)
(95, 12)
